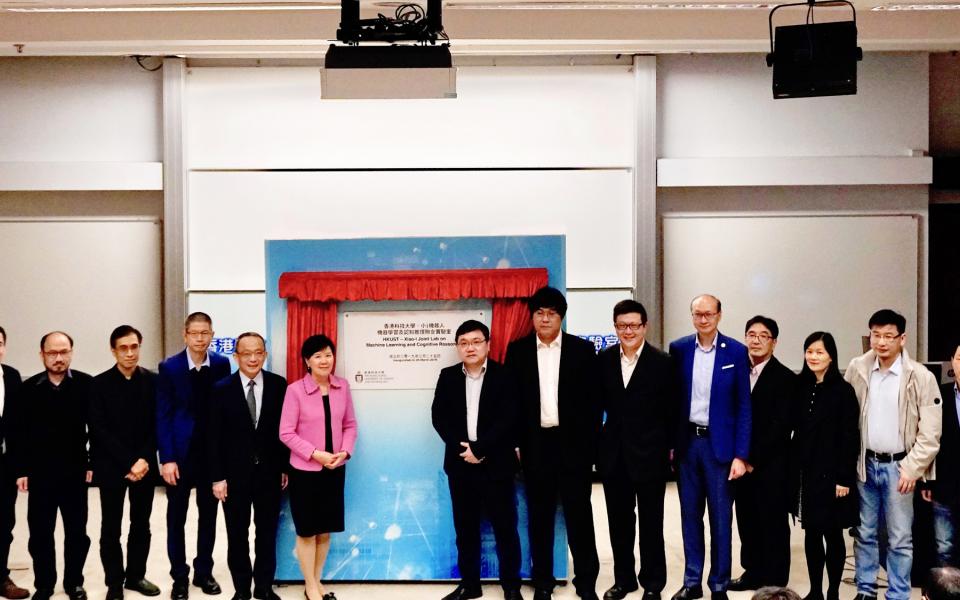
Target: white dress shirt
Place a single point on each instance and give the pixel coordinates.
(704, 358)
(627, 365)
(883, 409)
(548, 367)
(474, 385)
(257, 390)
(3, 390)
(755, 372)
(205, 363)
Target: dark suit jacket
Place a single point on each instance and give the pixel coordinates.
(641, 418)
(233, 445)
(729, 419)
(122, 430)
(772, 402)
(946, 487)
(175, 417)
(578, 401)
(496, 421)
(11, 385)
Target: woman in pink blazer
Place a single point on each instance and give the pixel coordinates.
(319, 427)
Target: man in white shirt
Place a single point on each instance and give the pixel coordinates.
(901, 415)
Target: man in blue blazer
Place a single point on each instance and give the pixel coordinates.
(713, 443)
(184, 385)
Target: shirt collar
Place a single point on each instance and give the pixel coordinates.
(258, 379)
(46, 378)
(554, 344)
(205, 363)
(895, 368)
(636, 357)
(713, 344)
(483, 370)
(759, 367)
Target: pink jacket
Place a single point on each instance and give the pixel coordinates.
(301, 422)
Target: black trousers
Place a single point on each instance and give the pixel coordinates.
(44, 499)
(178, 501)
(262, 495)
(471, 496)
(545, 485)
(138, 538)
(764, 524)
(833, 558)
(8, 514)
(623, 496)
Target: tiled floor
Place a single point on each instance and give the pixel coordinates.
(158, 566)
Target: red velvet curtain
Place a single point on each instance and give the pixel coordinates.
(312, 300)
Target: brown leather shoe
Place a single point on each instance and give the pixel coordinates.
(8, 589)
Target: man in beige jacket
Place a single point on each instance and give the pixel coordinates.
(900, 421)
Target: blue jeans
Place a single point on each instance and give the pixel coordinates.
(879, 499)
(944, 531)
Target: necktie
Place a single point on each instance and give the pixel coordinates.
(252, 402)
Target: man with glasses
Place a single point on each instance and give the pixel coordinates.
(10, 382)
(559, 423)
(183, 406)
(474, 411)
(762, 501)
(123, 447)
(713, 443)
(640, 399)
(900, 423)
(247, 464)
(52, 465)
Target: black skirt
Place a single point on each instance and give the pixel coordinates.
(316, 500)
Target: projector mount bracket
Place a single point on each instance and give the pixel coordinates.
(810, 4)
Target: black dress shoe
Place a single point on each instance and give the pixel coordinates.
(239, 596)
(718, 596)
(542, 594)
(651, 596)
(207, 583)
(618, 592)
(180, 590)
(329, 596)
(42, 594)
(588, 595)
(76, 593)
(461, 593)
(142, 586)
(512, 595)
(265, 593)
(742, 584)
(115, 593)
(688, 593)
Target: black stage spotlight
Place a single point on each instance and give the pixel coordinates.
(814, 59)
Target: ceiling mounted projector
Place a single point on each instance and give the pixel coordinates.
(814, 59)
(419, 68)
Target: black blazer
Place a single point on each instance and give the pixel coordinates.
(772, 401)
(578, 401)
(824, 454)
(641, 418)
(233, 445)
(11, 385)
(122, 432)
(946, 487)
(496, 421)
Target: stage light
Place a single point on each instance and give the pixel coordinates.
(814, 59)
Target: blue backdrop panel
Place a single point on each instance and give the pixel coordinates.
(398, 520)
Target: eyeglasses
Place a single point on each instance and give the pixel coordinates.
(56, 353)
(621, 327)
(542, 313)
(203, 333)
(248, 355)
(701, 316)
(886, 337)
(477, 343)
(759, 337)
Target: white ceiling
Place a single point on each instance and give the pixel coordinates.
(295, 30)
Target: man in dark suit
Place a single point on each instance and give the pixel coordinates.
(944, 491)
(247, 464)
(123, 448)
(183, 407)
(640, 399)
(474, 411)
(559, 424)
(713, 443)
(9, 387)
(762, 501)
(50, 454)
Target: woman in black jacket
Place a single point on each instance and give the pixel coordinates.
(825, 447)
